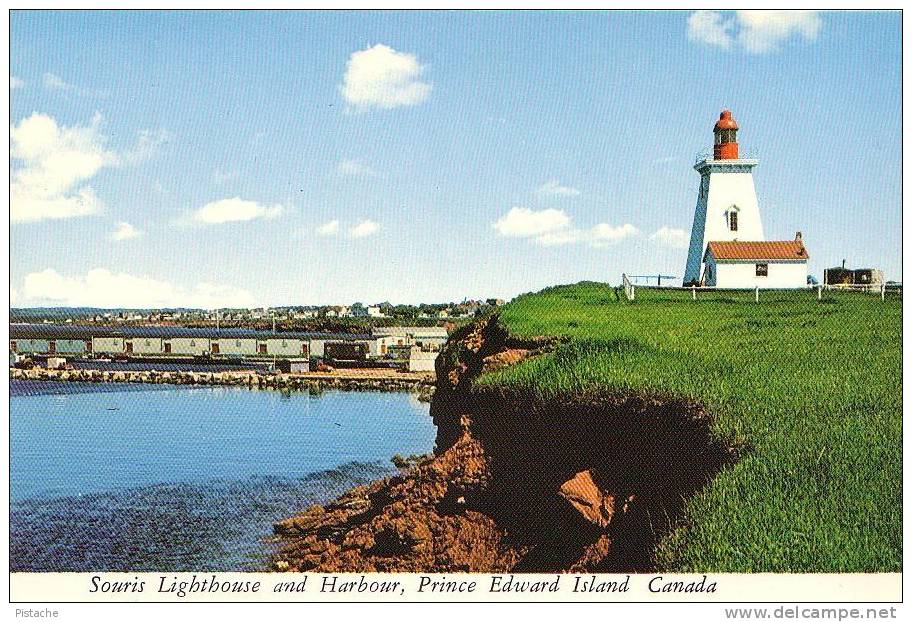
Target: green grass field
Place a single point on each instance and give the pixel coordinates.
(813, 389)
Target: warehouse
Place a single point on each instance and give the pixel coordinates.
(107, 345)
(428, 338)
(143, 345)
(141, 341)
(234, 346)
(287, 347)
(187, 346)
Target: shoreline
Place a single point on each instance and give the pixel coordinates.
(348, 380)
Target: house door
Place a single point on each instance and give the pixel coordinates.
(262, 348)
(215, 348)
(52, 347)
(128, 347)
(167, 348)
(88, 347)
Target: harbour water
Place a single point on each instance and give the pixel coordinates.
(139, 477)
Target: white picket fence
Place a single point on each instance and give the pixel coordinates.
(879, 289)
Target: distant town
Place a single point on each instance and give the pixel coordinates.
(316, 317)
(290, 339)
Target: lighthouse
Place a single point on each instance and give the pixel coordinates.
(727, 247)
(727, 207)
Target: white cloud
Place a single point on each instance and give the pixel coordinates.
(102, 288)
(14, 296)
(146, 146)
(603, 234)
(364, 228)
(384, 78)
(710, 27)
(668, 236)
(762, 31)
(54, 162)
(555, 188)
(522, 222)
(235, 210)
(124, 231)
(16, 83)
(552, 227)
(56, 83)
(355, 168)
(753, 31)
(328, 228)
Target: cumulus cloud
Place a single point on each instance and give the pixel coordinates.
(522, 222)
(103, 288)
(364, 228)
(555, 188)
(669, 236)
(14, 296)
(16, 83)
(124, 231)
(384, 78)
(328, 228)
(355, 168)
(604, 234)
(552, 227)
(710, 27)
(762, 31)
(235, 209)
(753, 31)
(147, 144)
(53, 165)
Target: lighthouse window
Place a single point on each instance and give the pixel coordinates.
(733, 221)
(762, 269)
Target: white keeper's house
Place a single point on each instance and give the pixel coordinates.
(727, 246)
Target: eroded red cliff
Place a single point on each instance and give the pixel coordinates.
(516, 485)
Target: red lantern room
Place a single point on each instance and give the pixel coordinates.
(726, 132)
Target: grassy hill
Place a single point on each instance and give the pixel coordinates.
(812, 390)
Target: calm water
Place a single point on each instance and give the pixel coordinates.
(139, 477)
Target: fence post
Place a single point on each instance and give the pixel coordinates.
(883, 290)
(693, 292)
(820, 292)
(756, 293)
(633, 292)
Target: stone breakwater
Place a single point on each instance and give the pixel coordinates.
(424, 386)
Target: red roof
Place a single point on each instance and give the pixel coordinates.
(772, 251)
(726, 121)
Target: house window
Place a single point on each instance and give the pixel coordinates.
(237, 343)
(13, 345)
(192, 343)
(733, 220)
(762, 269)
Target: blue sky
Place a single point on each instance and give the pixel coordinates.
(212, 159)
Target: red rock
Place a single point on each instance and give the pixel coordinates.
(584, 495)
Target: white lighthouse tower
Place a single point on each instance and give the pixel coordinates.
(727, 207)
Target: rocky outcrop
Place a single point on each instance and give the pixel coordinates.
(515, 484)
